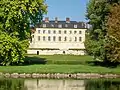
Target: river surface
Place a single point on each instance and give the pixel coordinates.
(46, 84)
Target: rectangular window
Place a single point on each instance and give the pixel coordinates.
(49, 38)
(43, 38)
(70, 32)
(49, 32)
(70, 39)
(59, 32)
(66, 25)
(38, 38)
(59, 38)
(38, 31)
(54, 38)
(32, 36)
(44, 25)
(80, 32)
(43, 31)
(75, 38)
(65, 39)
(52, 25)
(80, 39)
(59, 26)
(54, 32)
(65, 32)
(75, 26)
(75, 32)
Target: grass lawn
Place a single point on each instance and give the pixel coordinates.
(58, 59)
(58, 69)
(58, 64)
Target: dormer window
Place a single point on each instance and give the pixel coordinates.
(44, 25)
(52, 25)
(75, 26)
(59, 26)
(66, 25)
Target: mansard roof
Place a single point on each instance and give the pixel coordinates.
(62, 24)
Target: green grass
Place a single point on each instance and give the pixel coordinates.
(58, 69)
(58, 64)
(60, 59)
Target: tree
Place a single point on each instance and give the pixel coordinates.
(15, 19)
(113, 34)
(97, 37)
(97, 12)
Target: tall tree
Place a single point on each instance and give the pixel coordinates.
(96, 38)
(15, 19)
(97, 12)
(113, 34)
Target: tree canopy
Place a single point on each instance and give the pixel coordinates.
(15, 19)
(113, 34)
(98, 14)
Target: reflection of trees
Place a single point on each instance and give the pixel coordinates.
(12, 84)
(102, 85)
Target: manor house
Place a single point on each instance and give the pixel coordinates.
(58, 37)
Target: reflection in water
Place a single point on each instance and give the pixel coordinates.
(34, 84)
(55, 84)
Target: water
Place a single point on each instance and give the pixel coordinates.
(45, 84)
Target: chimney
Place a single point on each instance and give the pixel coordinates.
(56, 19)
(47, 19)
(67, 20)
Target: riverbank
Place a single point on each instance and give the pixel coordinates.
(63, 65)
(59, 76)
(52, 68)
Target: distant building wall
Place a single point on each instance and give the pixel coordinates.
(61, 38)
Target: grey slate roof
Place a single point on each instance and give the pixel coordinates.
(64, 24)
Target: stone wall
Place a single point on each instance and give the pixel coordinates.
(52, 52)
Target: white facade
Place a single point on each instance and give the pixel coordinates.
(49, 41)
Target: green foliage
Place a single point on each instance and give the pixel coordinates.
(12, 50)
(113, 34)
(15, 19)
(97, 37)
(97, 12)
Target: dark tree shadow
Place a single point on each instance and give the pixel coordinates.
(103, 63)
(29, 61)
(34, 60)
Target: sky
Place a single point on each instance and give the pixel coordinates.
(74, 9)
